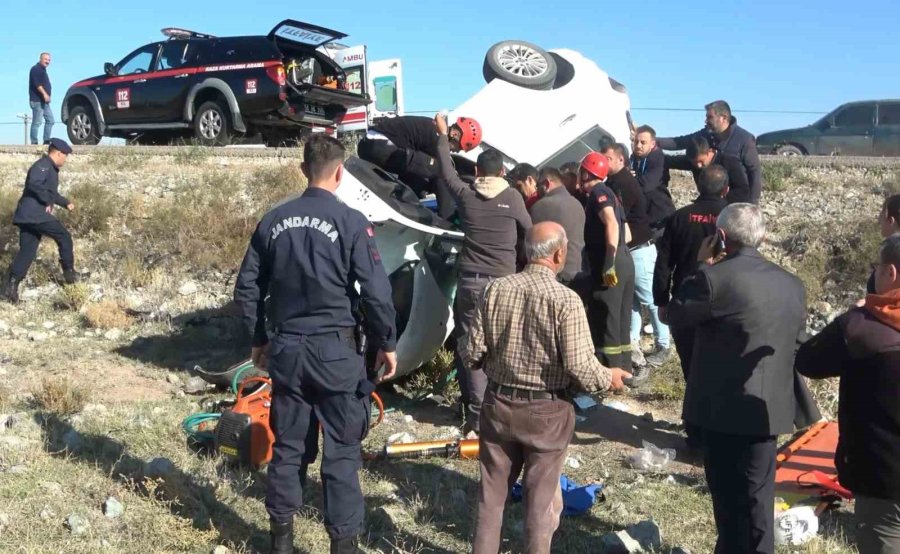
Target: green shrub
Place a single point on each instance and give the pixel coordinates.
(776, 175)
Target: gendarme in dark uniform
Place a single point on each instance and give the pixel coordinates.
(34, 218)
(307, 256)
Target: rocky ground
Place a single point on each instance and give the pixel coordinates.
(96, 378)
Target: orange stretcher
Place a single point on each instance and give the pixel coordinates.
(805, 466)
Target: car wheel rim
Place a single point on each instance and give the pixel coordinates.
(522, 60)
(81, 126)
(210, 124)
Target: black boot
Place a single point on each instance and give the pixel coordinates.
(10, 291)
(70, 276)
(639, 376)
(282, 537)
(347, 545)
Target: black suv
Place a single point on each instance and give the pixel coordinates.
(215, 89)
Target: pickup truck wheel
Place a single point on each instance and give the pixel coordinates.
(788, 150)
(211, 125)
(521, 63)
(82, 126)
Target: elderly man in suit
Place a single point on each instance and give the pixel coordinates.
(748, 315)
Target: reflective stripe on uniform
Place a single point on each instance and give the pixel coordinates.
(613, 350)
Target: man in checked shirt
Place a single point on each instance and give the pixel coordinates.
(530, 336)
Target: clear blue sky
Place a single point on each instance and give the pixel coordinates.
(765, 55)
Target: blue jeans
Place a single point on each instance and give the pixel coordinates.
(39, 111)
(644, 263)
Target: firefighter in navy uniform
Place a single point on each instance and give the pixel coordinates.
(34, 218)
(407, 146)
(612, 271)
(307, 256)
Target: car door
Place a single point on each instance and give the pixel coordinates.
(887, 129)
(167, 88)
(850, 132)
(123, 97)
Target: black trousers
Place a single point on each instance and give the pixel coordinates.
(609, 312)
(472, 383)
(740, 472)
(30, 238)
(416, 169)
(318, 377)
(684, 345)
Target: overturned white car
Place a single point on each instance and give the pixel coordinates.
(418, 250)
(545, 108)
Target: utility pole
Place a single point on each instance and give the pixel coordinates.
(26, 119)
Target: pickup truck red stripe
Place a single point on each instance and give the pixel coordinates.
(173, 72)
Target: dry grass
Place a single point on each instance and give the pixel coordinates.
(73, 297)
(60, 396)
(192, 153)
(6, 397)
(136, 272)
(107, 314)
(9, 234)
(206, 226)
(95, 207)
(117, 159)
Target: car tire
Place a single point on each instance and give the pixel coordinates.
(82, 126)
(788, 150)
(212, 125)
(520, 63)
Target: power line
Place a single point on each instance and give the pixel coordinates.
(654, 109)
(733, 111)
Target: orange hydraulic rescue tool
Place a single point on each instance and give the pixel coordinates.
(243, 433)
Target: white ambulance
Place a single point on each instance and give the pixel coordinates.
(381, 80)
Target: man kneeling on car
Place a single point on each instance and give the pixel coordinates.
(408, 146)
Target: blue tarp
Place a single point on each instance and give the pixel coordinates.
(577, 499)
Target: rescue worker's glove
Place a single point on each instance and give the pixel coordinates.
(610, 279)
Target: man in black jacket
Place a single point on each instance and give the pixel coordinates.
(677, 249)
(700, 154)
(649, 167)
(748, 315)
(493, 217)
(408, 145)
(723, 131)
(34, 218)
(862, 347)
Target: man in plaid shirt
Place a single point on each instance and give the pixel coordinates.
(530, 336)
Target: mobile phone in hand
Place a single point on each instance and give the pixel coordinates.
(719, 245)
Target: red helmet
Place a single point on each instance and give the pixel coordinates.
(471, 133)
(596, 164)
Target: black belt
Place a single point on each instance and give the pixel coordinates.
(345, 333)
(475, 275)
(650, 242)
(523, 394)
